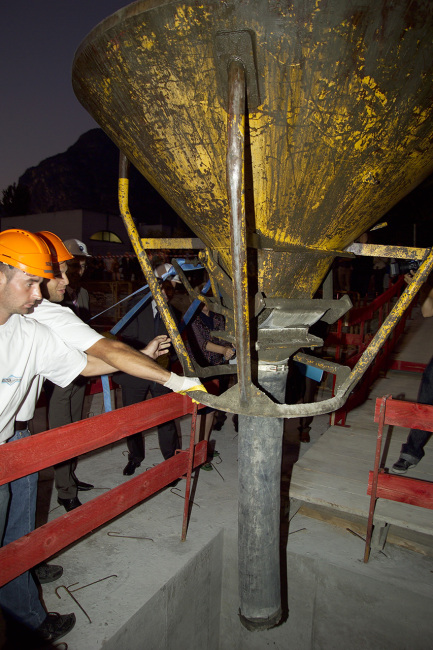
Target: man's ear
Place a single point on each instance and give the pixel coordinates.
(3, 279)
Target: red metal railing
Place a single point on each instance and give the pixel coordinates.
(388, 486)
(29, 455)
(352, 336)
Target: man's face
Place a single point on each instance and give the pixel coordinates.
(19, 294)
(76, 268)
(55, 289)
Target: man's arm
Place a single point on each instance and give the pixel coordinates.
(108, 355)
(126, 359)
(114, 355)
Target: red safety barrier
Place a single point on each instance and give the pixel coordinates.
(45, 449)
(402, 489)
(388, 486)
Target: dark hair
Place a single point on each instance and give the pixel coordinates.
(8, 270)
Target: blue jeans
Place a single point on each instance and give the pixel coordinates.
(20, 597)
(413, 449)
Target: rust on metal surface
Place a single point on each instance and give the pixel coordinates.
(342, 132)
(235, 169)
(336, 125)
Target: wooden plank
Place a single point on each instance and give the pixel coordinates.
(407, 414)
(403, 489)
(351, 471)
(410, 538)
(28, 455)
(339, 494)
(330, 482)
(25, 552)
(404, 516)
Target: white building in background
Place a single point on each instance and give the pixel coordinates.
(102, 233)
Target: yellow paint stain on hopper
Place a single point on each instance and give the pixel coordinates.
(370, 82)
(106, 87)
(148, 42)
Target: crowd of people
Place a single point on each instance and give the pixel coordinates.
(123, 267)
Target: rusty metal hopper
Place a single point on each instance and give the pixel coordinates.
(338, 127)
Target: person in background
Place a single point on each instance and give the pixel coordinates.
(145, 325)
(109, 262)
(208, 350)
(77, 296)
(412, 451)
(65, 405)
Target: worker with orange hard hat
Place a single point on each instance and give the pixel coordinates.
(28, 349)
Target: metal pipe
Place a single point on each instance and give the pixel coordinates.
(236, 196)
(388, 326)
(263, 406)
(260, 449)
(375, 475)
(167, 318)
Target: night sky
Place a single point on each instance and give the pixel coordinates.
(39, 113)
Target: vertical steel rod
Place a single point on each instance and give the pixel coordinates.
(189, 472)
(236, 196)
(375, 477)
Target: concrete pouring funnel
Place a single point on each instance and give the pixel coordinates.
(340, 128)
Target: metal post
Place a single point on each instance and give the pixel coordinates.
(260, 449)
(236, 196)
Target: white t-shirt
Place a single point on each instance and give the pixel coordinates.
(71, 329)
(67, 325)
(28, 349)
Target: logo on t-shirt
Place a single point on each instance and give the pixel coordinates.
(11, 380)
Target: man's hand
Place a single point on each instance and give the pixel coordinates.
(182, 385)
(157, 346)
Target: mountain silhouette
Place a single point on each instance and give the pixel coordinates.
(85, 177)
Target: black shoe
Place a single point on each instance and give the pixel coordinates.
(401, 466)
(69, 504)
(83, 487)
(47, 572)
(130, 468)
(55, 626)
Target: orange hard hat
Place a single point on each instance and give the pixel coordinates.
(26, 251)
(59, 252)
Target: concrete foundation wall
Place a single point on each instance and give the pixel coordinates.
(330, 607)
(338, 605)
(185, 613)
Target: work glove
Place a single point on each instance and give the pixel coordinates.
(182, 385)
